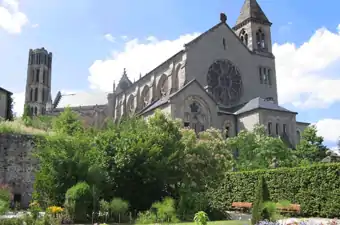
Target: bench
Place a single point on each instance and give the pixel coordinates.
(245, 206)
(242, 206)
(292, 208)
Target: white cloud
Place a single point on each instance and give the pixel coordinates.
(11, 18)
(301, 71)
(110, 38)
(137, 57)
(329, 129)
(35, 25)
(124, 37)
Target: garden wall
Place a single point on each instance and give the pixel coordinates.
(16, 165)
(315, 188)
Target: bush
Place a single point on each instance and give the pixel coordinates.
(78, 201)
(315, 188)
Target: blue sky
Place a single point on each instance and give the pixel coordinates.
(92, 41)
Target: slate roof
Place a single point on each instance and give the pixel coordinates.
(4, 90)
(260, 103)
(252, 10)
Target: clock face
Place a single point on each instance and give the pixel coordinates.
(225, 82)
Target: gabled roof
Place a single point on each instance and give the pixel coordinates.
(260, 103)
(251, 10)
(4, 90)
(167, 98)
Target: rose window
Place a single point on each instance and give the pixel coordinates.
(225, 82)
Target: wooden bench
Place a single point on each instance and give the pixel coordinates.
(242, 206)
(245, 206)
(292, 208)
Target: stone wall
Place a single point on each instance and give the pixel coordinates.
(16, 165)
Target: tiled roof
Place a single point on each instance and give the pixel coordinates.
(260, 103)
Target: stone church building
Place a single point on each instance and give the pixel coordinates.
(225, 78)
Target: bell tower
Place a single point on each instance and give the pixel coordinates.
(38, 83)
(253, 28)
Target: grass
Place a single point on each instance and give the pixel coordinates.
(224, 222)
(18, 127)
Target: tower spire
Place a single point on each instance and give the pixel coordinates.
(252, 11)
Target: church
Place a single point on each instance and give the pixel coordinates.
(225, 78)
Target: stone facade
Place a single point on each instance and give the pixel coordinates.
(16, 166)
(38, 83)
(4, 95)
(225, 79)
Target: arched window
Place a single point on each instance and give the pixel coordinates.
(277, 129)
(37, 75)
(35, 111)
(298, 136)
(269, 128)
(31, 94)
(36, 94)
(260, 39)
(43, 96)
(32, 111)
(244, 37)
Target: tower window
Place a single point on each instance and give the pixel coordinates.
(224, 43)
(265, 75)
(260, 40)
(31, 95)
(35, 111)
(37, 75)
(36, 94)
(244, 37)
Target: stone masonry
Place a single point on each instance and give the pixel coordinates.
(16, 166)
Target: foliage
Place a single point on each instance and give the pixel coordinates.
(18, 127)
(35, 209)
(5, 198)
(26, 116)
(54, 209)
(315, 188)
(118, 206)
(146, 217)
(311, 147)
(165, 211)
(201, 218)
(10, 114)
(67, 123)
(78, 201)
(273, 211)
(256, 150)
(261, 196)
(104, 209)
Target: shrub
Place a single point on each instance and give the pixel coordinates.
(165, 210)
(78, 201)
(146, 217)
(315, 188)
(118, 207)
(201, 218)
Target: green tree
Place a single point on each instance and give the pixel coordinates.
(118, 207)
(26, 116)
(256, 150)
(68, 123)
(261, 196)
(10, 114)
(311, 147)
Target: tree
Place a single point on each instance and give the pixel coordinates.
(67, 123)
(261, 196)
(311, 146)
(256, 150)
(118, 207)
(10, 114)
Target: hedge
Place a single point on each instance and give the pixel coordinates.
(315, 188)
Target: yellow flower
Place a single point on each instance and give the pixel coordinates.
(55, 209)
